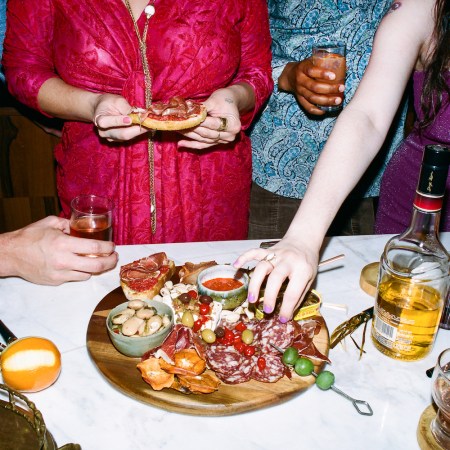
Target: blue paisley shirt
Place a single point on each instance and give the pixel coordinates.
(287, 143)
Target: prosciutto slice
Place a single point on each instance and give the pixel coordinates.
(143, 268)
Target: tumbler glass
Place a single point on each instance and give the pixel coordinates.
(440, 390)
(91, 217)
(331, 57)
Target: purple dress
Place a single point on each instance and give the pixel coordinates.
(400, 178)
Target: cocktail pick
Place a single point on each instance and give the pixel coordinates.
(361, 406)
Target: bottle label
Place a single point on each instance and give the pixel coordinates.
(427, 203)
(387, 331)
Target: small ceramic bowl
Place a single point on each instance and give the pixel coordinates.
(229, 299)
(136, 346)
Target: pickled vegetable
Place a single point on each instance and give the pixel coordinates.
(220, 332)
(303, 367)
(247, 336)
(184, 298)
(325, 380)
(208, 336)
(206, 299)
(290, 356)
(187, 319)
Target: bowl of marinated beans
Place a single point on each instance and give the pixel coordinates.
(138, 326)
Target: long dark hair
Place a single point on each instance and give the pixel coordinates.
(437, 64)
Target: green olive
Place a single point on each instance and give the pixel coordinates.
(187, 319)
(247, 337)
(325, 380)
(303, 367)
(208, 336)
(290, 355)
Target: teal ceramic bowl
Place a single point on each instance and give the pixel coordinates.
(229, 299)
(136, 346)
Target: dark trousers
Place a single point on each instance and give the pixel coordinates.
(271, 215)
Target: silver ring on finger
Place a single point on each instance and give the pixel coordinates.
(218, 137)
(223, 124)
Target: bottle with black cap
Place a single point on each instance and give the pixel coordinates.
(413, 280)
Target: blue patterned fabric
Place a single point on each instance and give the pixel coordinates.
(2, 33)
(286, 143)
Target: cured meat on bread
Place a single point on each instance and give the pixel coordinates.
(176, 114)
(144, 278)
(189, 272)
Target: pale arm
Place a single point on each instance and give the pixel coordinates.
(44, 253)
(354, 142)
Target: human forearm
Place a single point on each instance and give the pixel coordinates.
(353, 144)
(44, 253)
(243, 95)
(62, 100)
(8, 263)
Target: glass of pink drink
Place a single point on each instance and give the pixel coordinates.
(440, 390)
(331, 57)
(91, 218)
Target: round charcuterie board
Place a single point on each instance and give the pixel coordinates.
(121, 372)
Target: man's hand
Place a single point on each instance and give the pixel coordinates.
(45, 253)
(311, 85)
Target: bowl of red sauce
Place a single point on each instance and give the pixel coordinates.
(224, 284)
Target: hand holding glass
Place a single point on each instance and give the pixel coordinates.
(440, 389)
(331, 57)
(91, 217)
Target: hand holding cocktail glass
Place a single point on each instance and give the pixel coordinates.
(332, 58)
(91, 218)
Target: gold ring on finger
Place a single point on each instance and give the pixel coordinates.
(223, 124)
(269, 258)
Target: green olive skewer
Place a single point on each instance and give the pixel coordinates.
(361, 406)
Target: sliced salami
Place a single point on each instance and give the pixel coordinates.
(243, 374)
(272, 331)
(223, 359)
(230, 366)
(274, 370)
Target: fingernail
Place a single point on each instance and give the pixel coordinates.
(331, 76)
(283, 319)
(341, 88)
(127, 120)
(251, 297)
(268, 309)
(337, 101)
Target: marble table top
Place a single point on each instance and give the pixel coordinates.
(83, 407)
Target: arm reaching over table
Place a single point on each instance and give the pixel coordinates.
(354, 142)
(44, 253)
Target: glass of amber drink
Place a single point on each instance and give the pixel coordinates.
(91, 217)
(331, 57)
(440, 389)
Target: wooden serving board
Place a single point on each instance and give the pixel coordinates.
(121, 372)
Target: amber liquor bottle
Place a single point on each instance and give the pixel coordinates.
(413, 279)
